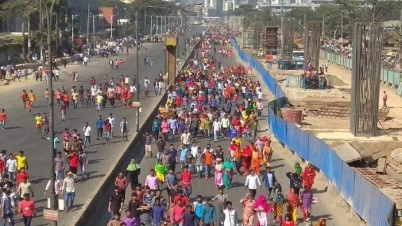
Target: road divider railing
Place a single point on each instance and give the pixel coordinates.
(371, 204)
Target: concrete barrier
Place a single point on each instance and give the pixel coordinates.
(94, 210)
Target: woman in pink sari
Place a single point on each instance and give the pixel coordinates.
(218, 173)
(263, 208)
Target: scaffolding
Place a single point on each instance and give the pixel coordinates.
(288, 30)
(271, 39)
(366, 72)
(312, 44)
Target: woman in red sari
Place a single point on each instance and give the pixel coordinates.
(308, 176)
(293, 201)
(247, 153)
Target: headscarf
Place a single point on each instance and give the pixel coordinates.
(297, 168)
(227, 164)
(133, 166)
(319, 223)
(262, 204)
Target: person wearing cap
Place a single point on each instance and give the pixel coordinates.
(68, 189)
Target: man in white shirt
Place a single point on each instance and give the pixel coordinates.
(194, 149)
(11, 166)
(185, 137)
(87, 134)
(252, 182)
(217, 128)
(68, 189)
(225, 125)
(111, 121)
(260, 107)
(230, 214)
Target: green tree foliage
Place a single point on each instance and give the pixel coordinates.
(254, 17)
(352, 12)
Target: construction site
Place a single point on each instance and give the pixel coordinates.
(349, 116)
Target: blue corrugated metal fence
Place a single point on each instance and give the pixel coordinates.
(365, 198)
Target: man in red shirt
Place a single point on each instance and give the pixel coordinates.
(21, 175)
(186, 181)
(27, 209)
(74, 162)
(3, 119)
(107, 127)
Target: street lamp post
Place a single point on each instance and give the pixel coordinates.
(111, 24)
(93, 29)
(52, 176)
(137, 68)
(72, 30)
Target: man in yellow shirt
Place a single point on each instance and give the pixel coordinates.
(99, 100)
(22, 161)
(38, 123)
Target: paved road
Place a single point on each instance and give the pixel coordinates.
(20, 132)
(282, 163)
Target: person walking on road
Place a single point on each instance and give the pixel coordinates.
(3, 119)
(384, 99)
(148, 145)
(132, 173)
(248, 210)
(7, 208)
(252, 182)
(111, 121)
(99, 127)
(83, 158)
(87, 134)
(27, 209)
(124, 129)
(68, 189)
(269, 179)
(293, 201)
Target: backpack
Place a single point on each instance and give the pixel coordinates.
(198, 207)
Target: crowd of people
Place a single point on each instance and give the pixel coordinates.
(210, 101)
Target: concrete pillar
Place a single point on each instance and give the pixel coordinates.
(171, 45)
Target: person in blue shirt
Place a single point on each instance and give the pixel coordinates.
(208, 214)
(269, 180)
(183, 153)
(156, 126)
(99, 127)
(229, 106)
(172, 157)
(249, 95)
(232, 132)
(214, 104)
(158, 212)
(173, 126)
(189, 217)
